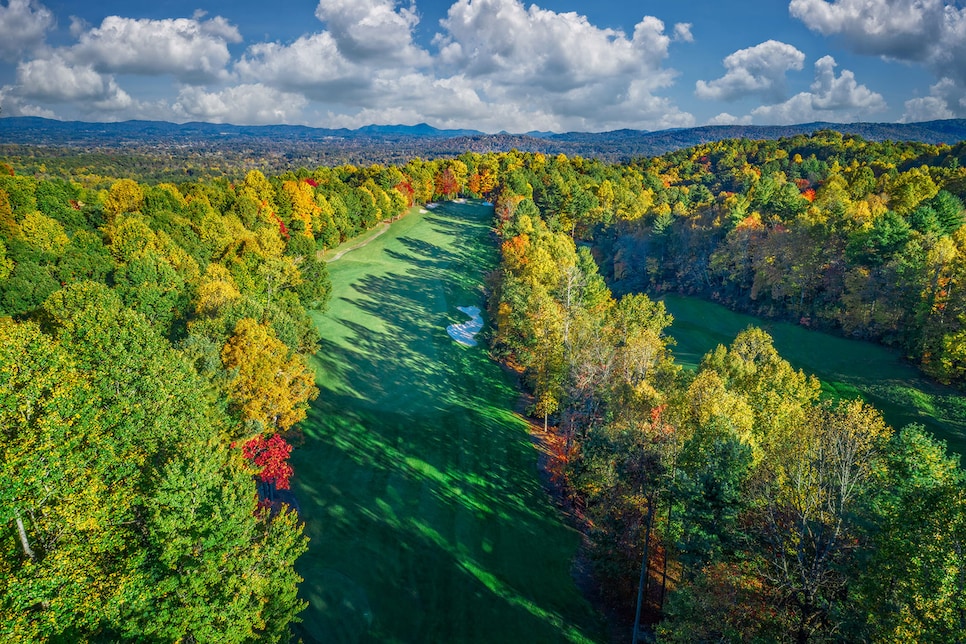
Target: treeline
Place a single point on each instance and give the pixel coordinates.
(170, 159)
(729, 503)
(828, 231)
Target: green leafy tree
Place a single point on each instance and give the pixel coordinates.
(125, 513)
(912, 587)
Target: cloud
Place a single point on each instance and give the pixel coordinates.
(755, 71)
(927, 32)
(13, 105)
(23, 27)
(729, 119)
(926, 108)
(501, 40)
(372, 31)
(895, 28)
(366, 45)
(312, 64)
(57, 81)
(937, 105)
(560, 64)
(832, 98)
(193, 51)
(54, 79)
(682, 32)
(843, 92)
(247, 104)
(78, 26)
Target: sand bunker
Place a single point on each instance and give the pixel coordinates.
(465, 333)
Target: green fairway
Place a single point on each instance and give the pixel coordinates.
(847, 368)
(417, 483)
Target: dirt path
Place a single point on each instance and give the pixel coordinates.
(384, 227)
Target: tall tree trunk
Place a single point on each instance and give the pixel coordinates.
(641, 584)
(27, 550)
(670, 510)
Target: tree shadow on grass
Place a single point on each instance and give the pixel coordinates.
(426, 519)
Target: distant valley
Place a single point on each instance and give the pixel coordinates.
(296, 145)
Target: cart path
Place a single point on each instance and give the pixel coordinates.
(383, 227)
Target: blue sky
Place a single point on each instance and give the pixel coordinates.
(490, 65)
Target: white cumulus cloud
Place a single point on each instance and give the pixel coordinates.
(366, 49)
(374, 31)
(725, 118)
(56, 80)
(895, 28)
(927, 32)
(13, 105)
(23, 27)
(832, 98)
(944, 97)
(247, 104)
(682, 32)
(755, 71)
(189, 49)
(560, 64)
(554, 51)
(312, 64)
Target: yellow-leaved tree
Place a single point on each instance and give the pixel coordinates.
(124, 196)
(44, 233)
(216, 290)
(270, 386)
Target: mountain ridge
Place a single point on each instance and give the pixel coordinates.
(394, 143)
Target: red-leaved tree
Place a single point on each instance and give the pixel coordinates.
(271, 455)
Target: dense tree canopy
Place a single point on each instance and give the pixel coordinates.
(734, 501)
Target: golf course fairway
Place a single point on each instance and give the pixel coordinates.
(847, 368)
(416, 481)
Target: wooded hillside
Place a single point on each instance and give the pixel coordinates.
(734, 502)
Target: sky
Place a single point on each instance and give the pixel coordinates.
(489, 65)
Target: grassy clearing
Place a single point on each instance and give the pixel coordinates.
(847, 368)
(417, 484)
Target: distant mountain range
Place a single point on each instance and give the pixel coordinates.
(394, 143)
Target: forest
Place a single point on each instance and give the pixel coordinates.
(156, 151)
(156, 341)
(734, 502)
